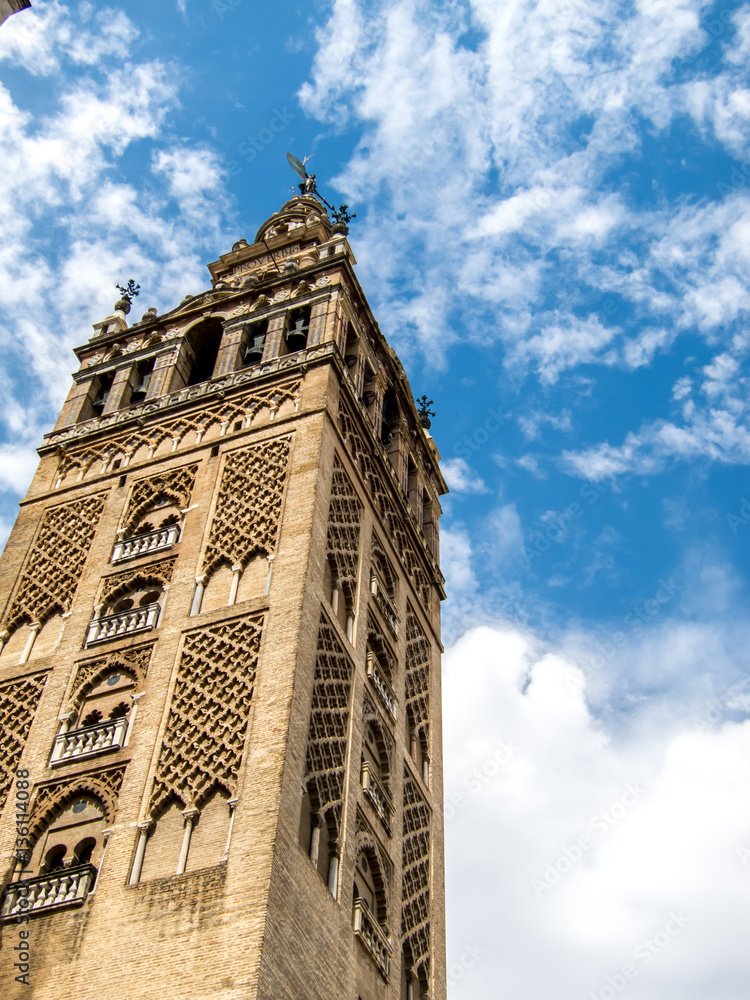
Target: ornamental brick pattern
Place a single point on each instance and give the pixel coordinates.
(55, 562)
(415, 908)
(202, 747)
(18, 703)
(344, 518)
(177, 485)
(329, 727)
(246, 521)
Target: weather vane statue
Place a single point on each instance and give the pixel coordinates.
(309, 186)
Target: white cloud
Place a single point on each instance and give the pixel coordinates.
(46, 36)
(564, 342)
(17, 466)
(61, 170)
(505, 535)
(489, 170)
(713, 423)
(461, 478)
(532, 423)
(576, 843)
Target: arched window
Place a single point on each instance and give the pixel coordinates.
(204, 341)
(135, 610)
(84, 850)
(73, 837)
(109, 699)
(141, 379)
(383, 586)
(101, 395)
(364, 883)
(391, 417)
(64, 860)
(100, 722)
(370, 908)
(154, 530)
(253, 343)
(54, 860)
(298, 329)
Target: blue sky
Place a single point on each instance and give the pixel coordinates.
(553, 228)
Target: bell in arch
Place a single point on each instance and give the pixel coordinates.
(296, 337)
(254, 349)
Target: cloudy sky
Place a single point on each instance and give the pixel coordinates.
(553, 228)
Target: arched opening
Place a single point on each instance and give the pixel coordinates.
(383, 586)
(391, 417)
(164, 842)
(102, 391)
(204, 342)
(370, 887)
(141, 380)
(54, 860)
(154, 529)
(253, 343)
(72, 838)
(135, 610)
(298, 329)
(101, 721)
(84, 850)
(364, 883)
(108, 699)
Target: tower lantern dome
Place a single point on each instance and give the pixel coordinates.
(301, 213)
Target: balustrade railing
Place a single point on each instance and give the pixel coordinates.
(372, 937)
(114, 626)
(141, 545)
(385, 604)
(377, 793)
(68, 887)
(89, 741)
(382, 685)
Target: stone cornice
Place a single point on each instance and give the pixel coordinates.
(185, 399)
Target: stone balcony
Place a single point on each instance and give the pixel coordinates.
(384, 604)
(386, 691)
(372, 937)
(377, 793)
(65, 888)
(145, 544)
(78, 744)
(126, 623)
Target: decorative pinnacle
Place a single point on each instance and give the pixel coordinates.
(128, 293)
(341, 215)
(424, 405)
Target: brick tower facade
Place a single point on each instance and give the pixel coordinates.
(220, 756)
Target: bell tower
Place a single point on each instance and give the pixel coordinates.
(220, 766)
